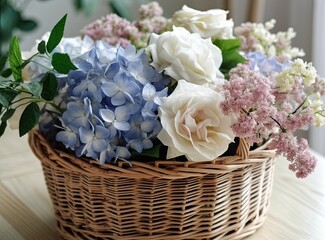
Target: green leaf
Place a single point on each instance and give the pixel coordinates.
(3, 128)
(87, 6)
(9, 20)
(50, 86)
(6, 73)
(6, 97)
(3, 60)
(61, 62)
(152, 152)
(15, 59)
(230, 55)
(231, 59)
(122, 7)
(27, 25)
(41, 47)
(34, 88)
(29, 118)
(56, 34)
(227, 44)
(8, 114)
(78, 4)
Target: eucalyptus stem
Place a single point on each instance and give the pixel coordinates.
(37, 100)
(49, 69)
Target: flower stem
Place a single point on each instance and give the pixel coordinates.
(282, 128)
(301, 104)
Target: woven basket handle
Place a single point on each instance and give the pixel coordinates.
(243, 149)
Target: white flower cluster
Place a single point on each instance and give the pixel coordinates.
(257, 37)
(316, 104)
(286, 79)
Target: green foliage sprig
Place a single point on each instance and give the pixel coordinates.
(43, 91)
(230, 55)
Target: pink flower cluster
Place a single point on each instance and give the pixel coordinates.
(119, 31)
(301, 160)
(249, 96)
(112, 28)
(263, 113)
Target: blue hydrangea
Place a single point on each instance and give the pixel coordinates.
(264, 64)
(112, 102)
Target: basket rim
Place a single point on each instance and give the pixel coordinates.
(167, 169)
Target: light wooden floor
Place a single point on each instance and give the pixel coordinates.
(25, 206)
(297, 209)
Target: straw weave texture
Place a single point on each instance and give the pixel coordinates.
(227, 198)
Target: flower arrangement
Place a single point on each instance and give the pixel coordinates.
(183, 88)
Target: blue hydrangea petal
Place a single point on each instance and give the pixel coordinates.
(107, 115)
(90, 153)
(147, 143)
(148, 92)
(105, 53)
(68, 138)
(76, 77)
(122, 152)
(113, 131)
(119, 99)
(148, 126)
(149, 109)
(122, 113)
(79, 150)
(130, 87)
(110, 89)
(128, 97)
(106, 156)
(133, 108)
(99, 145)
(111, 70)
(86, 135)
(75, 109)
(102, 132)
(122, 126)
(136, 145)
(94, 120)
(159, 98)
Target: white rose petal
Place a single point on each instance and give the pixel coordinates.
(183, 55)
(209, 24)
(193, 124)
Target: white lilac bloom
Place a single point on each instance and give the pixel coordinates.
(113, 99)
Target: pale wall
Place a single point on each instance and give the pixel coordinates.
(295, 13)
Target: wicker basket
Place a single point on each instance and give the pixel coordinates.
(227, 198)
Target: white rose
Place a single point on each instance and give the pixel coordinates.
(183, 55)
(193, 123)
(209, 24)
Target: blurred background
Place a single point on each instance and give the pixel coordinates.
(30, 19)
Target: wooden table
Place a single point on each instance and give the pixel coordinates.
(297, 209)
